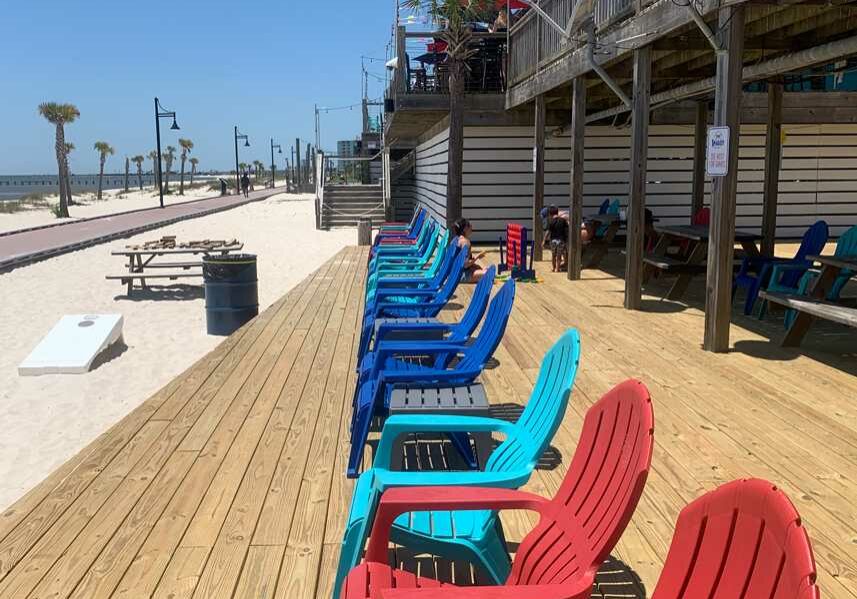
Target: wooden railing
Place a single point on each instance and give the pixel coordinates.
(534, 44)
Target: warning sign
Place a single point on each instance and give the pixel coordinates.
(717, 154)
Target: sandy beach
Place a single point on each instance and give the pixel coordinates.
(112, 201)
(48, 419)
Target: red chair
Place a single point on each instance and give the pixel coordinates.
(744, 540)
(576, 530)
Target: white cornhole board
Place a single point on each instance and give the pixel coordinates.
(72, 345)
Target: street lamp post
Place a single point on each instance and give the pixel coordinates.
(161, 113)
(246, 145)
(274, 164)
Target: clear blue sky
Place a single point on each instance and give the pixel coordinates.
(258, 64)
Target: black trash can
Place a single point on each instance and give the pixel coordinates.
(231, 292)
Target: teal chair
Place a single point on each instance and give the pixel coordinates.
(408, 276)
(474, 536)
(613, 208)
(846, 247)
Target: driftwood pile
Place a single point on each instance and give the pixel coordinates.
(168, 242)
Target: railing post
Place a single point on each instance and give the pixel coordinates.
(401, 61)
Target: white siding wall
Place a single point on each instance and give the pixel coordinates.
(818, 178)
(430, 175)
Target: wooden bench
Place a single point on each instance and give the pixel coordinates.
(670, 264)
(817, 308)
(129, 278)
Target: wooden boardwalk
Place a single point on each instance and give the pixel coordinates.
(229, 482)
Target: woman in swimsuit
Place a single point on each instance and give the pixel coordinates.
(473, 271)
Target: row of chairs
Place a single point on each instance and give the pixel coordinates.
(743, 539)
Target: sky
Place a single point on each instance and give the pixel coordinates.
(261, 65)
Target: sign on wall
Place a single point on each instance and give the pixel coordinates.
(717, 152)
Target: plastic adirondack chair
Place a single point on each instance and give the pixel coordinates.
(454, 332)
(602, 209)
(430, 278)
(411, 249)
(846, 247)
(509, 466)
(613, 208)
(404, 238)
(577, 529)
(744, 540)
(372, 395)
(395, 227)
(403, 235)
(407, 303)
(419, 256)
(755, 273)
(412, 266)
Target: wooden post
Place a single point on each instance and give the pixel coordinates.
(364, 232)
(538, 176)
(636, 213)
(298, 164)
(773, 153)
(721, 242)
(575, 212)
(699, 135)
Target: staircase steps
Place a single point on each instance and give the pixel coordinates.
(345, 205)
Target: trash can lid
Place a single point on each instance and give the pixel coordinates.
(230, 259)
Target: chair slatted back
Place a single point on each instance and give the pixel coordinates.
(598, 495)
(744, 540)
(493, 327)
(451, 273)
(847, 244)
(544, 410)
(813, 242)
(476, 308)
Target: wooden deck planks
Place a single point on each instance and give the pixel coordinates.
(229, 482)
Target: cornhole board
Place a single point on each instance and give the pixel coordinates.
(73, 344)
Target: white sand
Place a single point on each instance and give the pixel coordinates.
(109, 204)
(46, 420)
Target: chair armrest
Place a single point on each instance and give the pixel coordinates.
(416, 348)
(403, 281)
(410, 327)
(527, 591)
(401, 424)
(420, 499)
(410, 292)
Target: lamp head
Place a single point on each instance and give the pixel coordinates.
(175, 126)
(279, 150)
(247, 143)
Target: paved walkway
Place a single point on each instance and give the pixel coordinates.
(28, 246)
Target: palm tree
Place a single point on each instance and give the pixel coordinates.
(453, 16)
(68, 148)
(257, 166)
(138, 160)
(242, 166)
(193, 163)
(104, 150)
(58, 115)
(127, 169)
(187, 146)
(153, 156)
(168, 156)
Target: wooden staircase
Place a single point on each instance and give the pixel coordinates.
(344, 205)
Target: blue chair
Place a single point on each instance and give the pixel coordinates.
(410, 234)
(412, 303)
(393, 253)
(430, 278)
(846, 247)
(390, 367)
(755, 272)
(478, 536)
(453, 332)
(395, 228)
(413, 265)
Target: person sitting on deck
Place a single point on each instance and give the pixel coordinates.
(557, 230)
(473, 271)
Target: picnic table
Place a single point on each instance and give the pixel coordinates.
(692, 260)
(153, 260)
(814, 305)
